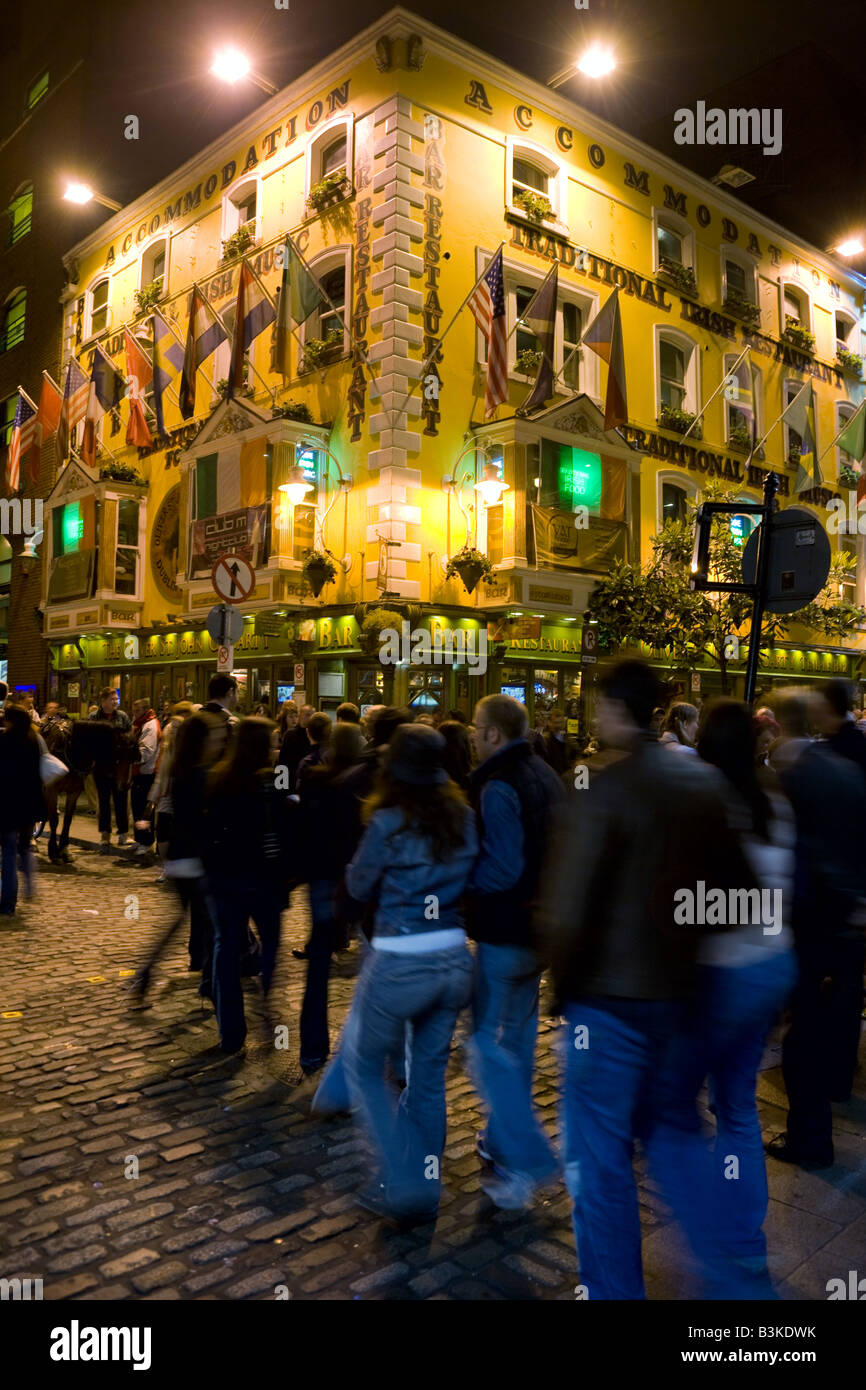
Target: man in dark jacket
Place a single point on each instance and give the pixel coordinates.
(557, 747)
(111, 772)
(819, 1054)
(295, 746)
(647, 826)
(513, 793)
(222, 700)
(833, 709)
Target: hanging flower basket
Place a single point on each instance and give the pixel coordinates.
(148, 297)
(471, 565)
(373, 624)
(319, 569)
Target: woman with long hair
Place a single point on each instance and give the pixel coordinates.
(457, 758)
(745, 975)
(329, 820)
(680, 728)
(248, 847)
(413, 864)
(21, 802)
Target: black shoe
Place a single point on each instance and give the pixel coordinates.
(781, 1148)
(300, 954)
(234, 1047)
(373, 1199)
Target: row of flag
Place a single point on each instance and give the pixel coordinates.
(173, 368)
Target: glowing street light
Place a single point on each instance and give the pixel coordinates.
(297, 487)
(491, 486)
(230, 65)
(852, 247)
(82, 193)
(596, 61)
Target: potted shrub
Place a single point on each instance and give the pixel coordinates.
(246, 389)
(319, 569)
(117, 472)
(849, 362)
(528, 361)
(537, 207)
(471, 565)
(148, 297)
(374, 623)
(794, 454)
(333, 188)
(848, 476)
(318, 352)
(740, 437)
(740, 308)
(293, 410)
(235, 245)
(683, 276)
(798, 335)
(670, 418)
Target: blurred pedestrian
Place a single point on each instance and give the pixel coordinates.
(112, 768)
(558, 749)
(147, 733)
(319, 732)
(680, 728)
(832, 707)
(347, 713)
(21, 803)
(296, 744)
(766, 731)
(222, 700)
(414, 863)
(159, 792)
(514, 794)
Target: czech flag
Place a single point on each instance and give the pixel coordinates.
(254, 314)
(204, 336)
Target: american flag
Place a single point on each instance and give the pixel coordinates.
(20, 440)
(487, 303)
(73, 410)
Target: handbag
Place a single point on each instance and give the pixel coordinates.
(51, 769)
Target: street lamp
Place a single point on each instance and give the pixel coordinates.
(853, 246)
(297, 487)
(230, 65)
(596, 61)
(82, 193)
(491, 486)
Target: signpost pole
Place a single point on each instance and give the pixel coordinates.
(771, 487)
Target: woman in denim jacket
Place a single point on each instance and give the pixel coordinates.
(414, 862)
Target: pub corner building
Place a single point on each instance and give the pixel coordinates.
(399, 166)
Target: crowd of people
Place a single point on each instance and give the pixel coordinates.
(685, 879)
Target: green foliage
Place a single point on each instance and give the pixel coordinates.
(148, 297)
(652, 605)
(235, 245)
(528, 361)
(537, 207)
(320, 350)
(848, 476)
(849, 362)
(683, 276)
(798, 335)
(293, 410)
(468, 556)
(741, 308)
(117, 472)
(328, 189)
(678, 421)
(321, 561)
(377, 619)
(740, 437)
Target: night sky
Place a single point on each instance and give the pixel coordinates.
(806, 59)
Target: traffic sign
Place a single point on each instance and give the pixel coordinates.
(224, 624)
(588, 645)
(233, 578)
(799, 560)
(225, 658)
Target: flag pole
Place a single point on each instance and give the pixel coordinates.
(167, 390)
(747, 349)
(781, 417)
(847, 425)
(353, 341)
(271, 392)
(210, 381)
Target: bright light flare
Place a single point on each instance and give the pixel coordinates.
(78, 193)
(230, 65)
(852, 247)
(597, 61)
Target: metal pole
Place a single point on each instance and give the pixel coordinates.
(771, 487)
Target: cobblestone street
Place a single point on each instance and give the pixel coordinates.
(239, 1190)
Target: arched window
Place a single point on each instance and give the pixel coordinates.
(324, 325)
(14, 320)
(739, 280)
(844, 411)
(532, 174)
(329, 155)
(153, 264)
(795, 308)
(20, 214)
(742, 405)
(676, 371)
(242, 210)
(674, 503)
(97, 308)
(793, 441)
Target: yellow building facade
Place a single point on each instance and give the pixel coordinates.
(399, 166)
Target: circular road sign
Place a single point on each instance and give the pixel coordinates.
(224, 624)
(233, 578)
(799, 560)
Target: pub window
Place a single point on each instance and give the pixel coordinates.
(97, 308)
(326, 323)
(845, 335)
(738, 279)
(126, 555)
(677, 372)
(670, 246)
(14, 320)
(20, 213)
(67, 528)
(674, 241)
(674, 503)
(37, 90)
(7, 419)
(848, 587)
(329, 153)
(524, 338)
(241, 209)
(843, 459)
(793, 442)
(739, 402)
(568, 477)
(153, 265)
(795, 307)
(530, 173)
(572, 328)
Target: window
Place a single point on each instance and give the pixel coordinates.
(572, 328)
(67, 528)
(793, 442)
(14, 318)
(126, 551)
(37, 91)
(331, 270)
(153, 265)
(672, 374)
(569, 478)
(738, 279)
(528, 177)
(241, 210)
(739, 404)
(246, 207)
(329, 153)
(20, 213)
(524, 338)
(334, 156)
(849, 586)
(844, 459)
(674, 503)
(845, 331)
(742, 525)
(7, 419)
(334, 285)
(531, 173)
(670, 246)
(674, 247)
(795, 306)
(98, 308)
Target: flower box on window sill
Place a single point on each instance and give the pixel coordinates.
(679, 275)
(848, 477)
(742, 445)
(319, 353)
(850, 362)
(678, 421)
(527, 364)
(121, 473)
(550, 223)
(799, 336)
(332, 189)
(742, 309)
(238, 244)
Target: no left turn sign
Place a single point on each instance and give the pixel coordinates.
(233, 578)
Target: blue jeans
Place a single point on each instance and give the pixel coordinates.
(724, 1042)
(315, 1039)
(9, 870)
(502, 1058)
(235, 901)
(333, 1095)
(420, 997)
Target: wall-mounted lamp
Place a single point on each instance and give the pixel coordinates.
(297, 487)
(29, 558)
(491, 487)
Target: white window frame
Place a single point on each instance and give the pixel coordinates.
(231, 214)
(319, 142)
(140, 548)
(557, 173)
(727, 367)
(729, 255)
(322, 266)
(787, 397)
(805, 300)
(89, 331)
(843, 412)
(147, 256)
(852, 342)
(674, 336)
(685, 483)
(519, 274)
(672, 222)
